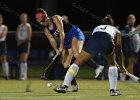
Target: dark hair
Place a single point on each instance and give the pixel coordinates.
(40, 10)
(108, 20)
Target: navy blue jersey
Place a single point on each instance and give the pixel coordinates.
(55, 32)
(70, 31)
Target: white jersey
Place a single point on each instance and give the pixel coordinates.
(112, 31)
(1, 30)
(23, 31)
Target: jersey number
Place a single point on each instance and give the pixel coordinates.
(103, 28)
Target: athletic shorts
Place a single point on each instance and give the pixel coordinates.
(24, 47)
(73, 32)
(3, 48)
(99, 42)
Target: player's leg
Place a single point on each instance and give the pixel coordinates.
(72, 71)
(24, 53)
(67, 58)
(3, 56)
(77, 46)
(112, 74)
(5, 66)
(23, 66)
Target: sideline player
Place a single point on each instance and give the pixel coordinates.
(3, 48)
(23, 37)
(105, 38)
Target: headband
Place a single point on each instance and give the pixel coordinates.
(39, 15)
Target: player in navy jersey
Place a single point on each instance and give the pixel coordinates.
(103, 40)
(71, 37)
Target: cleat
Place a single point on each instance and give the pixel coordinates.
(61, 89)
(74, 88)
(23, 77)
(114, 92)
(98, 71)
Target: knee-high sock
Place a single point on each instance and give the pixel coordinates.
(23, 67)
(5, 68)
(113, 76)
(71, 73)
(73, 82)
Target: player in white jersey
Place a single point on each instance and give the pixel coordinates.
(23, 37)
(3, 48)
(103, 40)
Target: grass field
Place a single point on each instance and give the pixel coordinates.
(88, 90)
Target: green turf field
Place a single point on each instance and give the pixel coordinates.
(88, 90)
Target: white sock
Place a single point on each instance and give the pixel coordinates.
(5, 68)
(71, 73)
(113, 76)
(23, 68)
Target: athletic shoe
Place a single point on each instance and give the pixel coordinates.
(74, 88)
(114, 92)
(23, 77)
(98, 71)
(61, 89)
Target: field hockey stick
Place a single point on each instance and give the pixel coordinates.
(50, 65)
(129, 74)
(133, 76)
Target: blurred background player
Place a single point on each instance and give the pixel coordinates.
(104, 37)
(3, 48)
(23, 37)
(131, 46)
(71, 38)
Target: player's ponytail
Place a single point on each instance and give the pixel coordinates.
(108, 20)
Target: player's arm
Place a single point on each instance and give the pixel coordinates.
(4, 32)
(59, 25)
(119, 53)
(29, 32)
(52, 40)
(136, 31)
(137, 28)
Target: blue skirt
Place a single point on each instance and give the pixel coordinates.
(73, 32)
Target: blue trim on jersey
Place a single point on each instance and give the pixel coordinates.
(73, 32)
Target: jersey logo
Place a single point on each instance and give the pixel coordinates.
(56, 33)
